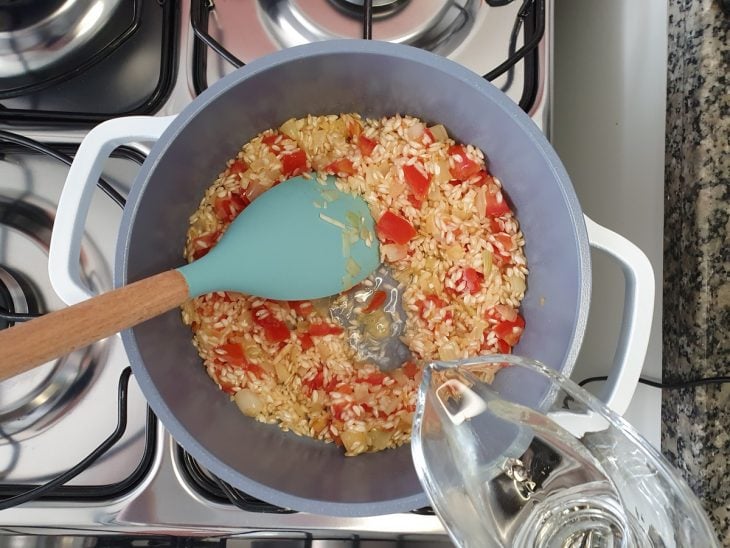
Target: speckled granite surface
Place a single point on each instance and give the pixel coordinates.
(696, 327)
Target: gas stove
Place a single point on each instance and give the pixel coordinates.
(154, 58)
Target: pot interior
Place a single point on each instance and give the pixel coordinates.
(373, 79)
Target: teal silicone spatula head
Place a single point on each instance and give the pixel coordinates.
(299, 240)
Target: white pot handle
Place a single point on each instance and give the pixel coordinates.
(65, 273)
(638, 311)
(73, 206)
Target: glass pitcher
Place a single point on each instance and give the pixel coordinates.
(513, 454)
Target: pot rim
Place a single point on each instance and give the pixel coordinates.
(178, 125)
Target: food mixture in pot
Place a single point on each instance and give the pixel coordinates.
(447, 236)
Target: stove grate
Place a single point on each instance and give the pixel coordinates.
(530, 20)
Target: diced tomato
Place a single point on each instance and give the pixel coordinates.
(343, 389)
(237, 167)
(233, 351)
(227, 387)
(505, 240)
(294, 163)
(228, 208)
(306, 340)
(484, 178)
(416, 181)
(302, 308)
(455, 182)
(257, 370)
(430, 300)
(203, 244)
(394, 228)
(274, 329)
(410, 369)
(503, 347)
(354, 128)
(273, 142)
(496, 203)
(377, 300)
(322, 329)
(494, 226)
(428, 137)
(337, 409)
(510, 332)
(375, 378)
(221, 208)
(316, 382)
(473, 280)
(343, 165)
(463, 166)
(366, 145)
(415, 202)
(232, 355)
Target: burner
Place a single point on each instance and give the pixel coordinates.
(53, 416)
(34, 400)
(381, 8)
(270, 25)
(17, 294)
(22, 14)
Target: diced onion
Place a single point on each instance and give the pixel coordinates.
(443, 175)
(354, 442)
(253, 352)
(455, 252)
(486, 263)
(376, 324)
(507, 312)
(379, 439)
(248, 402)
(439, 133)
(394, 252)
(481, 202)
(517, 284)
(282, 373)
(448, 351)
(360, 393)
(255, 189)
(352, 268)
(415, 132)
(289, 128)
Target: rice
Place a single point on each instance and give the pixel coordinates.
(462, 275)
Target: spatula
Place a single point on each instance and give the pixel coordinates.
(300, 240)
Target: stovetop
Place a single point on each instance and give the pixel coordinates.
(51, 418)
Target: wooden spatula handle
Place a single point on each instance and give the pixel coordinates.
(33, 343)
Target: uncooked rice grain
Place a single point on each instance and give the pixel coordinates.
(294, 360)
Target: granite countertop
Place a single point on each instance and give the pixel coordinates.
(696, 324)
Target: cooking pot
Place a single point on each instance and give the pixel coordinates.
(374, 79)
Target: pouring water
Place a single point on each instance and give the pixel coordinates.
(512, 453)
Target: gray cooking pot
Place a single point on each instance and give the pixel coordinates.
(374, 79)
